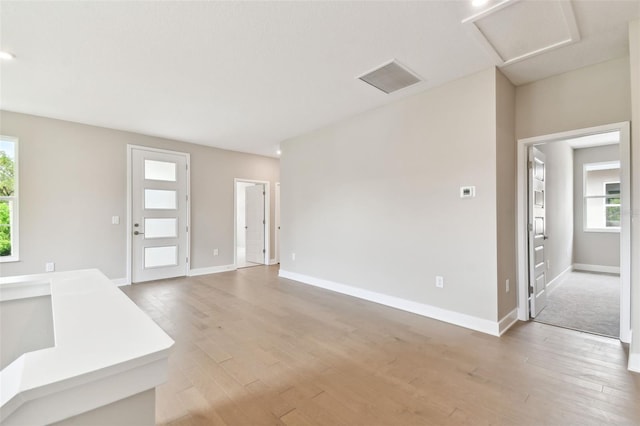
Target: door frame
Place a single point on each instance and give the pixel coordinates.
(276, 225)
(267, 218)
(625, 225)
(129, 216)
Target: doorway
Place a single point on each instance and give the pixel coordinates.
(157, 214)
(251, 223)
(566, 279)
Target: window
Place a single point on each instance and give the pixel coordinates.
(8, 199)
(602, 197)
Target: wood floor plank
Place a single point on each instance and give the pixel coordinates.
(254, 349)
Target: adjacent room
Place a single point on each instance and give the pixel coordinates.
(320, 213)
(583, 201)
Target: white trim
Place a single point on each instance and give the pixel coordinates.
(211, 270)
(121, 281)
(273, 262)
(596, 268)
(129, 228)
(15, 198)
(552, 284)
(507, 322)
(634, 362)
(276, 224)
(625, 234)
(451, 317)
(267, 218)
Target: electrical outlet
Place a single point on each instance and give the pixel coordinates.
(49, 267)
(215, 252)
(507, 285)
(115, 220)
(439, 281)
(293, 257)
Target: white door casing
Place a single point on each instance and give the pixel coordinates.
(277, 224)
(537, 233)
(255, 223)
(159, 214)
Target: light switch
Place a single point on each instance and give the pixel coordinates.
(115, 220)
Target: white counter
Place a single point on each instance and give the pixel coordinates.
(106, 349)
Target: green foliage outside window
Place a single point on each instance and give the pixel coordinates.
(7, 189)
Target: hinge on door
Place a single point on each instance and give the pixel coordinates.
(187, 260)
(531, 164)
(187, 229)
(264, 193)
(186, 166)
(530, 227)
(263, 222)
(187, 198)
(530, 290)
(263, 251)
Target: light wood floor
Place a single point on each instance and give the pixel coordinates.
(253, 349)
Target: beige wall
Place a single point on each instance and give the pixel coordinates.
(373, 201)
(73, 180)
(506, 193)
(592, 248)
(559, 207)
(587, 97)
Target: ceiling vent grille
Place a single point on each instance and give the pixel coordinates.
(390, 77)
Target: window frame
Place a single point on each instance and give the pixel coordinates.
(14, 201)
(605, 165)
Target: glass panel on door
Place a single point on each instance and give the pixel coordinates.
(160, 199)
(160, 227)
(155, 257)
(159, 170)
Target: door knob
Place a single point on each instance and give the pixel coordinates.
(138, 233)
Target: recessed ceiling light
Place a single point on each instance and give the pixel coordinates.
(6, 55)
(478, 3)
(278, 152)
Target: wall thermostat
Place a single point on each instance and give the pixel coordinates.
(467, 191)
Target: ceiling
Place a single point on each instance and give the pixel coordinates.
(245, 76)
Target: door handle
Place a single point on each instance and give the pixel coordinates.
(545, 237)
(138, 233)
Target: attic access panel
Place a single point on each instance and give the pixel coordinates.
(514, 30)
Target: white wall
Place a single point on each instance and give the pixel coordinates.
(592, 248)
(373, 201)
(559, 207)
(73, 179)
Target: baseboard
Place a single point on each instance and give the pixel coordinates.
(507, 322)
(634, 362)
(273, 262)
(121, 281)
(451, 317)
(551, 285)
(211, 270)
(596, 268)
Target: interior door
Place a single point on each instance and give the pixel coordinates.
(254, 223)
(537, 235)
(159, 215)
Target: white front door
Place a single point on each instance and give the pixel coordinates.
(159, 214)
(537, 233)
(255, 223)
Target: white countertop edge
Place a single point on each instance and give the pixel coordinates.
(44, 375)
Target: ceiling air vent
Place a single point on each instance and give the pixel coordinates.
(390, 77)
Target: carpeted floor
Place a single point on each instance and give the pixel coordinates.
(586, 302)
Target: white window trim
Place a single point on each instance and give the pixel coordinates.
(604, 165)
(15, 214)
